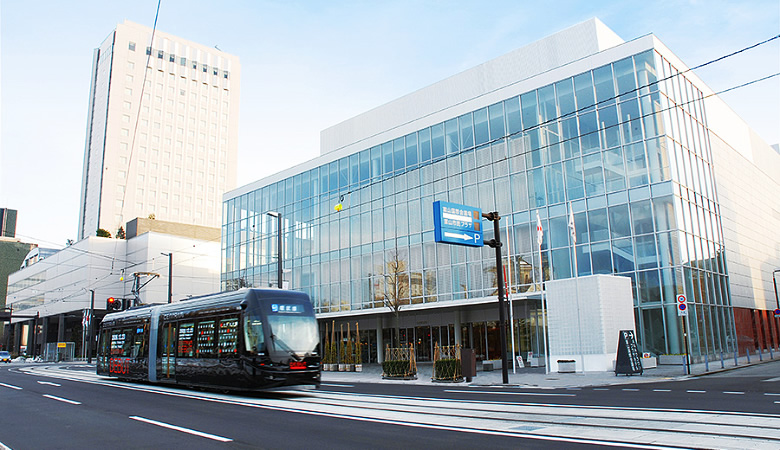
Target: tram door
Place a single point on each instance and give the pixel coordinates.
(168, 353)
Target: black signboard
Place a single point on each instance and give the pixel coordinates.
(628, 362)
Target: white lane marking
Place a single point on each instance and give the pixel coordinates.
(696, 392)
(600, 389)
(54, 397)
(49, 383)
(4, 447)
(182, 429)
(630, 389)
(772, 379)
(662, 390)
(510, 393)
(734, 392)
(769, 393)
(11, 386)
(336, 385)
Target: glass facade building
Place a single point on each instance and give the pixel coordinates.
(622, 142)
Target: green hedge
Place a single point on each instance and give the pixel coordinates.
(447, 369)
(397, 368)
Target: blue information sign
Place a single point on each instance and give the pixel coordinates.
(457, 224)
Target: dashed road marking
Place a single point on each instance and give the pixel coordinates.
(182, 429)
(733, 392)
(11, 386)
(511, 393)
(630, 389)
(60, 399)
(662, 390)
(693, 391)
(49, 383)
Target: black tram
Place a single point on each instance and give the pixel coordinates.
(245, 339)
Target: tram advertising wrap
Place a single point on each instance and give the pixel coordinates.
(245, 340)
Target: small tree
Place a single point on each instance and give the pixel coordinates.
(396, 289)
(103, 233)
(120, 233)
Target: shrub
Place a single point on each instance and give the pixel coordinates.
(447, 369)
(397, 368)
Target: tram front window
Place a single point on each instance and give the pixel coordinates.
(293, 333)
(253, 335)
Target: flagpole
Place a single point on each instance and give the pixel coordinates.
(539, 238)
(573, 231)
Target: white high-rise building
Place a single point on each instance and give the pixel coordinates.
(162, 131)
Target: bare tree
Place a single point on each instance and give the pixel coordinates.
(396, 289)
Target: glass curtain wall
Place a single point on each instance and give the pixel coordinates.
(624, 145)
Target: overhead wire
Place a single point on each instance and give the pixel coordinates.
(385, 177)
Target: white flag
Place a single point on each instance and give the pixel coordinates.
(572, 230)
(539, 232)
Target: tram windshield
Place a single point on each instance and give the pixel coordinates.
(292, 330)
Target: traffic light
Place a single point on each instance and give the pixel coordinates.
(113, 304)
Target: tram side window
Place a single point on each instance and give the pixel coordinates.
(139, 349)
(118, 338)
(253, 335)
(103, 347)
(122, 341)
(205, 346)
(227, 338)
(186, 334)
(168, 338)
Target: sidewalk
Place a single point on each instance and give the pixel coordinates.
(537, 378)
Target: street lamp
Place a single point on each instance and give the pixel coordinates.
(170, 274)
(278, 216)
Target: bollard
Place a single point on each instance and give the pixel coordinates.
(760, 355)
(771, 356)
(736, 363)
(706, 363)
(747, 353)
(722, 366)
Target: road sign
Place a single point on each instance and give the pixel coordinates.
(682, 305)
(777, 314)
(457, 224)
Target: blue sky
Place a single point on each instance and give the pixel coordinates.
(308, 65)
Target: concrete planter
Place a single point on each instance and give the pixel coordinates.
(342, 367)
(671, 360)
(567, 366)
(358, 367)
(649, 363)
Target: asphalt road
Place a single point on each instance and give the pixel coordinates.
(56, 406)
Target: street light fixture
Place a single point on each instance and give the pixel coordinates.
(170, 275)
(278, 216)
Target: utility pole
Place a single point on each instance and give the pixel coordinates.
(170, 275)
(496, 243)
(90, 335)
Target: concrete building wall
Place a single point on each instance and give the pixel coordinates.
(584, 318)
(162, 138)
(415, 110)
